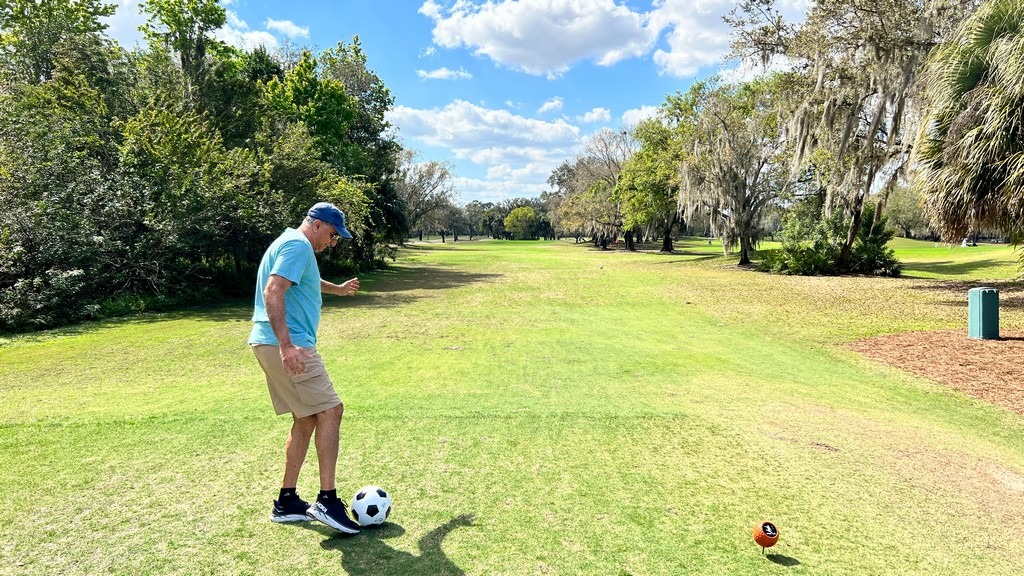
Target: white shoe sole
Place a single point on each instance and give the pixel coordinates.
(289, 518)
(329, 521)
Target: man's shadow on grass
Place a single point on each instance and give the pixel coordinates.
(367, 554)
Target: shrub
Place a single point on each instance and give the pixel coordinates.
(814, 250)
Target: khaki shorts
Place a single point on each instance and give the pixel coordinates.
(302, 395)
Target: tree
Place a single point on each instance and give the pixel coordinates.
(52, 164)
(733, 167)
(186, 28)
(166, 170)
(372, 150)
(320, 103)
(905, 212)
(589, 182)
(552, 214)
(32, 30)
(970, 153)
(648, 185)
(231, 93)
(425, 187)
(522, 223)
(493, 220)
(474, 216)
(857, 63)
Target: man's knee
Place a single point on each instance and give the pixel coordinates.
(331, 414)
(306, 422)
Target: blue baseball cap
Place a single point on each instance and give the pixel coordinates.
(327, 212)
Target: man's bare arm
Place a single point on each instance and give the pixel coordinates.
(273, 298)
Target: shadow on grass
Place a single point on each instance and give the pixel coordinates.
(230, 311)
(395, 287)
(782, 560)
(954, 292)
(949, 268)
(382, 288)
(681, 254)
(367, 554)
(435, 246)
(685, 257)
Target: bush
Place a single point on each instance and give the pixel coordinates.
(871, 253)
(815, 250)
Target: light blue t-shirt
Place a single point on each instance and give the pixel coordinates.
(291, 256)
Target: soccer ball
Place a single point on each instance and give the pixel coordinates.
(371, 506)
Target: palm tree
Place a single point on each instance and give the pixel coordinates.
(970, 145)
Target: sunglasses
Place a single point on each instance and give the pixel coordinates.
(335, 237)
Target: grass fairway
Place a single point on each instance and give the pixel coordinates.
(593, 412)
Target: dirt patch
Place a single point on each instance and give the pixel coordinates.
(990, 370)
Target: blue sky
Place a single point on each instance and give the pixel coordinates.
(505, 90)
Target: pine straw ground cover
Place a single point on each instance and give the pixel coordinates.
(990, 370)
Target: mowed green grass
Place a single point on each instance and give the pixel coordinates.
(593, 412)
(938, 260)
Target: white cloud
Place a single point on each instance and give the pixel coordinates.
(428, 52)
(596, 115)
(123, 25)
(287, 27)
(552, 105)
(462, 125)
(497, 188)
(444, 74)
(696, 35)
(236, 33)
(542, 37)
(547, 37)
(247, 40)
(638, 115)
(519, 153)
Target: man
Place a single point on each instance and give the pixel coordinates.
(283, 337)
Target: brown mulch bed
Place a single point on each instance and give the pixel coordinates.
(990, 370)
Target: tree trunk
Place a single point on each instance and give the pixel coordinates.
(666, 242)
(843, 264)
(746, 247)
(628, 240)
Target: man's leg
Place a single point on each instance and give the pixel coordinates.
(328, 508)
(328, 425)
(289, 507)
(295, 449)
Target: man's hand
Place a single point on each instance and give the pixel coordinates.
(347, 289)
(294, 359)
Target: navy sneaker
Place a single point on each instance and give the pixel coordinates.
(334, 513)
(290, 510)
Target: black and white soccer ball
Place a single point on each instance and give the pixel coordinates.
(371, 506)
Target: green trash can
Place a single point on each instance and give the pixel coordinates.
(983, 313)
